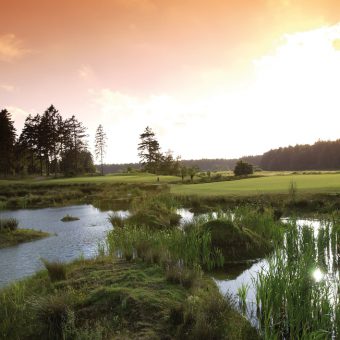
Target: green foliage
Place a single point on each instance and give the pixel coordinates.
(53, 314)
(235, 240)
(191, 248)
(12, 238)
(8, 224)
(243, 169)
(292, 302)
(7, 141)
(56, 270)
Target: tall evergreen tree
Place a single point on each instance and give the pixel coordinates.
(7, 141)
(149, 150)
(100, 146)
(74, 142)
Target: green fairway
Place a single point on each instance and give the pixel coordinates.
(320, 183)
(134, 178)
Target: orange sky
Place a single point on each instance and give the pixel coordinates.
(163, 63)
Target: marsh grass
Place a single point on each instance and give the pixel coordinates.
(56, 270)
(53, 313)
(297, 296)
(242, 292)
(8, 224)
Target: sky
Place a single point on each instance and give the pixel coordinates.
(213, 79)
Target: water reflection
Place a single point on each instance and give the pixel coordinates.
(70, 239)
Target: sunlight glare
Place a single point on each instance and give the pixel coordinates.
(318, 275)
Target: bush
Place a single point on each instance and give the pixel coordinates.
(243, 169)
(56, 270)
(8, 224)
(53, 313)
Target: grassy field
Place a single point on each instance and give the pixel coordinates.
(120, 178)
(307, 183)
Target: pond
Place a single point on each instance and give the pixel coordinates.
(323, 262)
(69, 240)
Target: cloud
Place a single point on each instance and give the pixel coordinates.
(12, 48)
(19, 116)
(7, 87)
(85, 72)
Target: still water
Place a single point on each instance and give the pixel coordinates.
(69, 240)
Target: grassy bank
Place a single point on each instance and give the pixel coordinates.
(12, 238)
(108, 179)
(115, 299)
(10, 235)
(52, 194)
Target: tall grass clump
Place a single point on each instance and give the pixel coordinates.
(168, 246)
(8, 224)
(265, 224)
(53, 313)
(56, 270)
(297, 295)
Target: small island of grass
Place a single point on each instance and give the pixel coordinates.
(69, 218)
(10, 235)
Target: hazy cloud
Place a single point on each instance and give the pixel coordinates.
(85, 72)
(7, 87)
(11, 48)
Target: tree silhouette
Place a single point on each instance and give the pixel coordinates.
(7, 140)
(149, 151)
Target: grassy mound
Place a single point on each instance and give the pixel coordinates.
(11, 238)
(69, 218)
(106, 299)
(236, 243)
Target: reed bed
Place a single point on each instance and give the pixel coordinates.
(298, 294)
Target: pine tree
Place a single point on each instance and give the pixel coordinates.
(100, 146)
(149, 151)
(7, 141)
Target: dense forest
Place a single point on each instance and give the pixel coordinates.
(48, 144)
(323, 155)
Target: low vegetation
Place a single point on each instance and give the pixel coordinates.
(69, 218)
(297, 294)
(104, 298)
(10, 235)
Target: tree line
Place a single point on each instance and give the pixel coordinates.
(322, 155)
(48, 144)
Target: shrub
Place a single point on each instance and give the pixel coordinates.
(116, 220)
(53, 313)
(56, 270)
(8, 224)
(188, 278)
(243, 168)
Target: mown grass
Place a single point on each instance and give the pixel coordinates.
(109, 299)
(305, 183)
(117, 178)
(12, 238)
